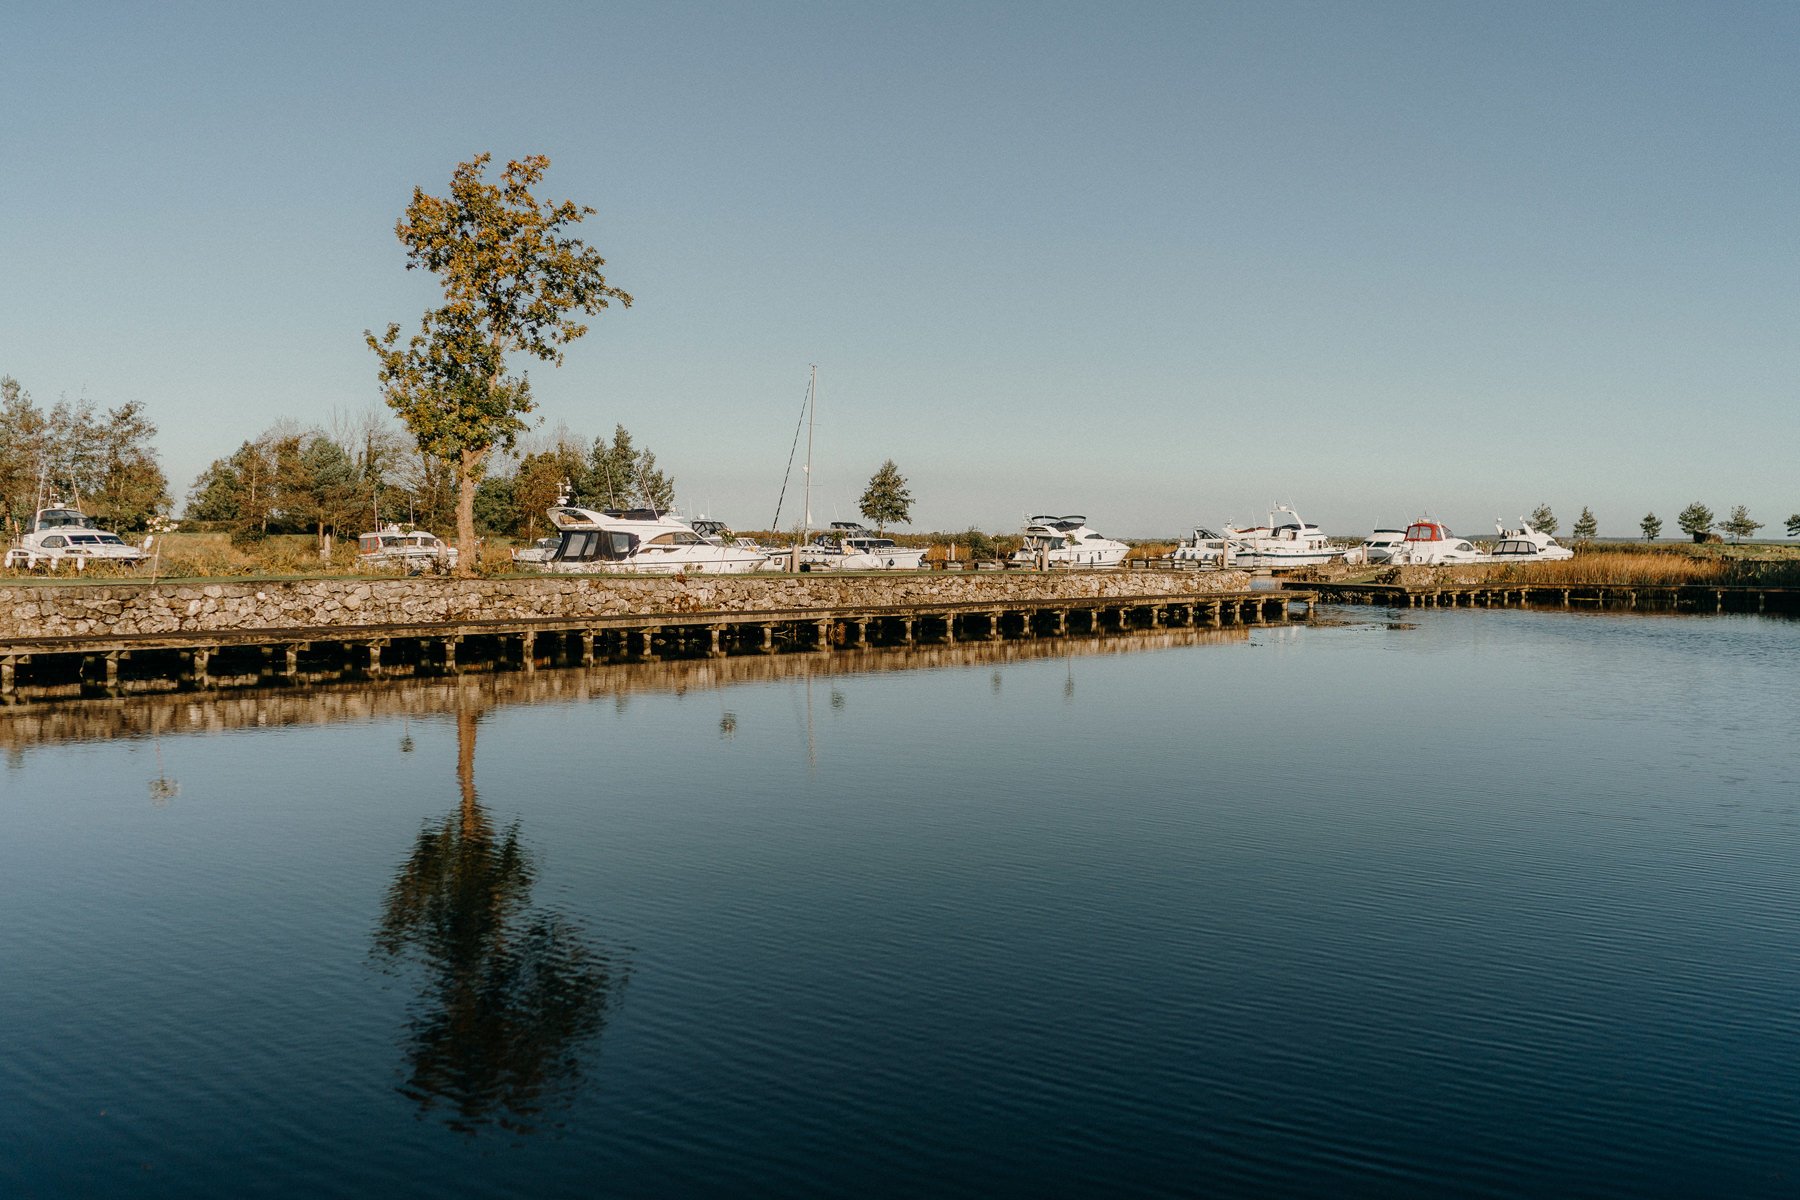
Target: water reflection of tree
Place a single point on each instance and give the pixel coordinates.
(511, 995)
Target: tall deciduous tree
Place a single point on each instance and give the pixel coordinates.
(513, 278)
(1739, 524)
(1542, 519)
(1652, 527)
(886, 501)
(1585, 526)
(1696, 520)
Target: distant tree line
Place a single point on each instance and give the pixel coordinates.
(103, 460)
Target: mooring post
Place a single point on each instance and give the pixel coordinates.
(375, 645)
(906, 631)
(450, 645)
(112, 669)
(9, 679)
(715, 647)
(202, 659)
(767, 643)
(528, 650)
(587, 647)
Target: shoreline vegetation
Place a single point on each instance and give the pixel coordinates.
(189, 556)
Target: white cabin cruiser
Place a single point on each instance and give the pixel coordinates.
(1378, 547)
(1203, 549)
(62, 534)
(1430, 541)
(1281, 544)
(541, 551)
(1066, 542)
(849, 546)
(641, 541)
(1526, 544)
(411, 550)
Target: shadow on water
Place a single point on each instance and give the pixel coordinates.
(511, 997)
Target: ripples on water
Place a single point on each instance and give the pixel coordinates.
(1478, 903)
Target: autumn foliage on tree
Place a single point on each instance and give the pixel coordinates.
(513, 280)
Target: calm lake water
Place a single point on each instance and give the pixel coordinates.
(1470, 903)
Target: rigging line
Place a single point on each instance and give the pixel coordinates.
(776, 525)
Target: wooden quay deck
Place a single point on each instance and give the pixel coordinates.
(1694, 598)
(98, 663)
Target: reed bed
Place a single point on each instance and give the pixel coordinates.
(1645, 567)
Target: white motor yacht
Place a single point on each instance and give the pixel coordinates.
(1430, 541)
(849, 546)
(541, 551)
(1281, 544)
(1203, 549)
(62, 534)
(1066, 542)
(1526, 544)
(410, 550)
(641, 541)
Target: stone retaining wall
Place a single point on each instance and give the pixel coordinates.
(77, 610)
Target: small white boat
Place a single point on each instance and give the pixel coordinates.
(1378, 547)
(1066, 542)
(62, 534)
(852, 547)
(1526, 544)
(410, 550)
(1281, 544)
(538, 553)
(642, 541)
(1430, 541)
(1203, 548)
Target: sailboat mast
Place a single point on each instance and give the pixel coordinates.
(812, 402)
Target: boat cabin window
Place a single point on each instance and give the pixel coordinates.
(590, 545)
(55, 541)
(1422, 533)
(677, 537)
(56, 518)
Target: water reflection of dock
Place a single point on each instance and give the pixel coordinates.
(25, 726)
(96, 665)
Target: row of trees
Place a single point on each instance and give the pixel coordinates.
(103, 460)
(1696, 520)
(349, 479)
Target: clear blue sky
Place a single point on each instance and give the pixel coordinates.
(1161, 264)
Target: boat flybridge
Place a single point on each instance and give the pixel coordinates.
(1526, 544)
(1066, 542)
(850, 546)
(1430, 541)
(61, 534)
(1281, 544)
(642, 541)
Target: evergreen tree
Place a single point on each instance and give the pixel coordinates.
(886, 500)
(1652, 527)
(622, 476)
(1696, 520)
(1542, 519)
(1793, 525)
(1739, 525)
(1585, 526)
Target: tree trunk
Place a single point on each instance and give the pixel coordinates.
(466, 464)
